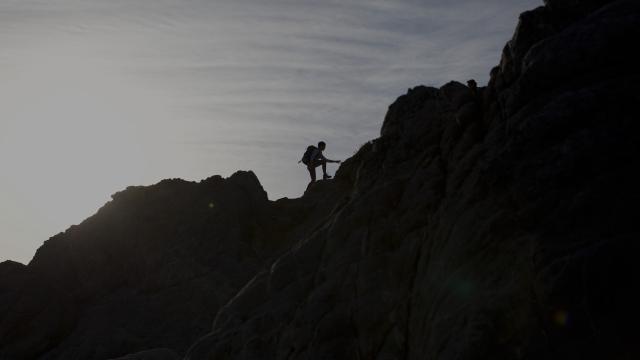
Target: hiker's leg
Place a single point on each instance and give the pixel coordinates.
(324, 167)
(312, 172)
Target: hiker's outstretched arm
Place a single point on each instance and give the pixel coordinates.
(321, 156)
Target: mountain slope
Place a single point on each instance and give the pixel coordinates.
(492, 225)
(166, 256)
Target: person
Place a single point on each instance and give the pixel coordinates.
(316, 158)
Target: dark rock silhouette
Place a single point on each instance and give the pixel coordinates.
(494, 225)
(150, 269)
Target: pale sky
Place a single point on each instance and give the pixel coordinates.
(96, 95)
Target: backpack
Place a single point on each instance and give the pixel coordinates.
(306, 158)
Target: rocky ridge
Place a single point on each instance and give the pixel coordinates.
(496, 222)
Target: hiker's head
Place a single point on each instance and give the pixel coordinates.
(322, 145)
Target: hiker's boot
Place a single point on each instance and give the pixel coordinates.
(326, 176)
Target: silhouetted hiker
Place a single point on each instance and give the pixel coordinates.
(313, 158)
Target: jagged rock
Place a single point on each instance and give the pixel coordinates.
(574, 8)
(497, 223)
(165, 256)
(453, 244)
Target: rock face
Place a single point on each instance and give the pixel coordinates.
(496, 223)
(149, 270)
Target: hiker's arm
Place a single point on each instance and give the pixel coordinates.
(321, 156)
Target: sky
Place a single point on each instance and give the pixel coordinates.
(97, 95)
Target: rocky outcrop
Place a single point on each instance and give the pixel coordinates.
(496, 222)
(149, 270)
